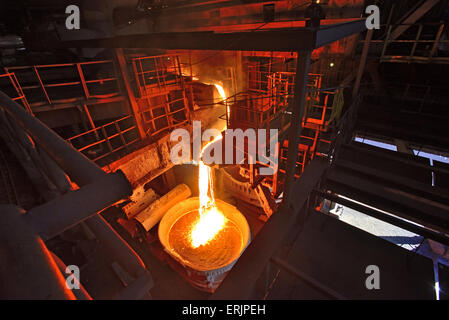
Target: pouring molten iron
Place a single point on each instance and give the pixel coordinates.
(211, 220)
(206, 235)
(202, 233)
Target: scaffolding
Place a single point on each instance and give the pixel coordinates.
(161, 91)
(267, 105)
(161, 99)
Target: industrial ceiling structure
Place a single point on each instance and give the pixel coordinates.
(350, 121)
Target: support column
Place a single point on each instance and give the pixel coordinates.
(302, 73)
(369, 35)
(129, 90)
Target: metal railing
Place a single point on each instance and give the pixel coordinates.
(250, 110)
(154, 74)
(106, 140)
(15, 86)
(164, 116)
(87, 80)
(319, 107)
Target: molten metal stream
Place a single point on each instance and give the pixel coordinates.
(223, 96)
(211, 220)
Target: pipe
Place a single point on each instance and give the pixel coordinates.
(27, 270)
(75, 164)
(82, 171)
(57, 215)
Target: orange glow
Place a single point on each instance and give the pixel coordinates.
(223, 97)
(211, 220)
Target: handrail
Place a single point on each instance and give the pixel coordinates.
(78, 72)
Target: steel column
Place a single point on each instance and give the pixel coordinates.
(369, 35)
(302, 72)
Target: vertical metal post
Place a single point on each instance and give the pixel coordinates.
(91, 121)
(42, 84)
(418, 35)
(437, 41)
(387, 40)
(129, 90)
(369, 35)
(83, 80)
(302, 71)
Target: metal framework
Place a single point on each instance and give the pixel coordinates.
(160, 106)
(15, 86)
(267, 100)
(286, 40)
(162, 95)
(83, 80)
(26, 232)
(420, 45)
(241, 279)
(106, 140)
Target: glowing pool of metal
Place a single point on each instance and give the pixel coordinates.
(220, 253)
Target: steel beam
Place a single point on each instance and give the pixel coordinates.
(27, 269)
(412, 18)
(369, 35)
(293, 39)
(302, 72)
(381, 215)
(330, 33)
(53, 217)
